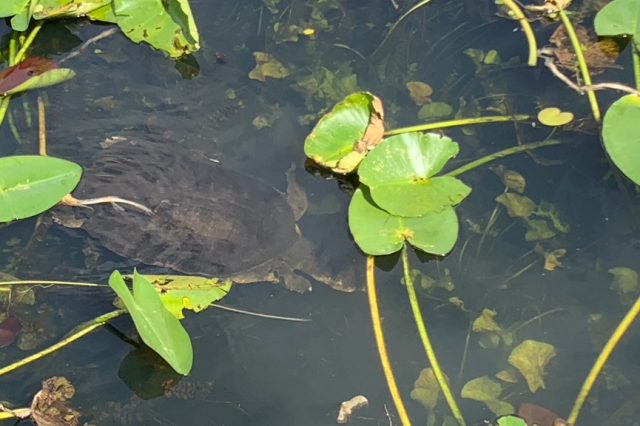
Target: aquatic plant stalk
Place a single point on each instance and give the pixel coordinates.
(519, 16)
(602, 360)
(458, 123)
(504, 153)
(395, 24)
(582, 64)
(83, 331)
(426, 343)
(382, 348)
(636, 65)
(50, 283)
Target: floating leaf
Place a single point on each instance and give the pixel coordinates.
(179, 292)
(487, 391)
(377, 232)
(426, 389)
(31, 184)
(399, 174)
(167, 25)
(619, 18)
(158, 327)
(435, 111)
(516, 205)
(530, 358)
(267, 66)
(49, 9)
(621, 134)
(338, 132)
(419, 92)
(553, 117)
(511, 421)
(12, 7)
(50, 405)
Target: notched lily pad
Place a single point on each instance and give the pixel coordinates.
(435, 111)
(530, 358)
(336, 141)
(553, 117)
(625, 283)
(400, 173)
(419, 92)
(377, 232)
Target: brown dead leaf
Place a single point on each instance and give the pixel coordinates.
(49, 406)
(551, 258)
(598, 54)
(419, 92)
(510, 178)
(375, 130)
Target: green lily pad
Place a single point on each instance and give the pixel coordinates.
(511, 421)
(179, 292)
(553, 117)
(621, 135)
(377, 232)
(338, 131)
(426, 389)
(12, 7)
(399, 173)
(167, 25)
(158, 328)
(619, 18)
(31, 184)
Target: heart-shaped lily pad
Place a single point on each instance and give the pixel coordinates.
(554, 117)
(621, 135)
(377, 232)
(399, 174)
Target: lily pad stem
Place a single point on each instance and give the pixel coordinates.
(504, 153)
(458, 123)
(382, 348)
(519, 16)
(50, 283)
(83, 331)
(426, 343)
(582, 64)
(636, 65)
(619, 332)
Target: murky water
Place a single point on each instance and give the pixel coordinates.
(255, 371)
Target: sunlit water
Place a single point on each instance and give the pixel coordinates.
(254, 371)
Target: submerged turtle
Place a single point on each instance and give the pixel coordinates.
(204, 219)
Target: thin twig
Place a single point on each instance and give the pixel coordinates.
(257, 314)
(86, 44)
(42, 128)
(70, 200)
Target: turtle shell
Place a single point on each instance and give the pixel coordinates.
(206, 219)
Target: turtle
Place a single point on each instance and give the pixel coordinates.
(195, 216)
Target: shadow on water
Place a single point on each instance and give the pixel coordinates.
(255, 371)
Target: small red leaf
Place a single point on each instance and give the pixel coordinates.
(18, 74)
(9, 329)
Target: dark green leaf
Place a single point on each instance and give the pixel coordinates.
(158, 328)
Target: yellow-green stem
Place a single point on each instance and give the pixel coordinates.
(526, 29)
(426, 343)
(636, 65)
(458, 123)
(92, 325)
(504, 153)
(382, 347)
(19, 57)
(602, 360)
(49, 283)
(582, 64)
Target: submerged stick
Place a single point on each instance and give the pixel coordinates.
(70, 200)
